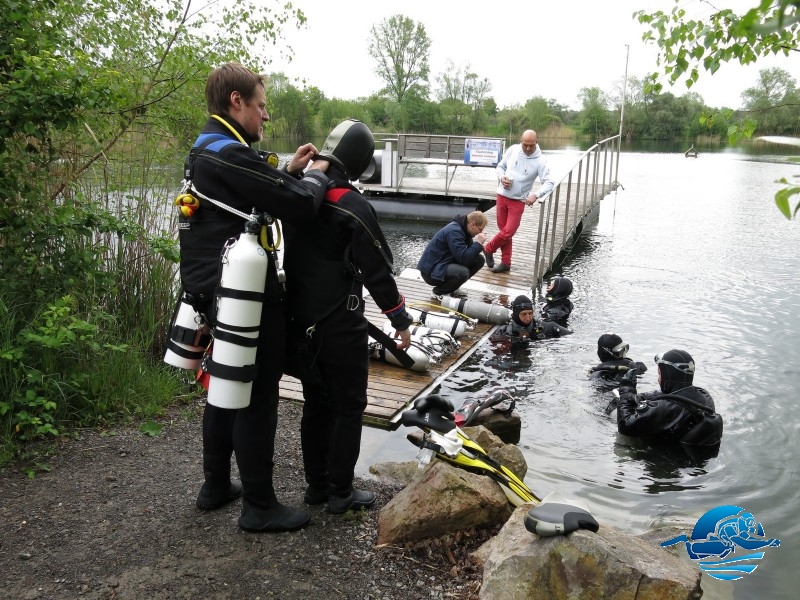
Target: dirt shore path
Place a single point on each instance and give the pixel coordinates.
(113, 516)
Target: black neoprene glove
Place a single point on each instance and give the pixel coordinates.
(629, 378)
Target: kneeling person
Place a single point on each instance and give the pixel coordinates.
(454, 254)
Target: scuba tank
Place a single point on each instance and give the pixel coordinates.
(239, 296)
(453, 324)
(421, 356)
(435, 339)
(483, 311)
(189, 336)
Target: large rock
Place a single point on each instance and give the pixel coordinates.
(396, 473)
(444, 500)
(609, 564)
(508, 455)
(507, 427)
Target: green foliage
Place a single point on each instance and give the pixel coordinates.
(688, 45)
(595, 119)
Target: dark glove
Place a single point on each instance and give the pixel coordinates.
(629, 378)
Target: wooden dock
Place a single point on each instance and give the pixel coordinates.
(547, 229)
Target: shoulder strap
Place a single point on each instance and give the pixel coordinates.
(687, 401)
(214, 141)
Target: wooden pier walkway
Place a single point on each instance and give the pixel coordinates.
(547, 229)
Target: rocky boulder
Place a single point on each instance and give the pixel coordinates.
(608, 564)
(445, 499)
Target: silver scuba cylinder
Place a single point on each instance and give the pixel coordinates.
(437, 340)
(422, 359)
(240, 295)
(483, 311)
(189, 337)
(453, 324)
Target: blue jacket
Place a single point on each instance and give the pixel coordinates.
(451, 244)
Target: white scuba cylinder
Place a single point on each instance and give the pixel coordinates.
(437, 340)
(483, 311)
(238, 320)
(421, 358)
(188, 338)
(453, 324)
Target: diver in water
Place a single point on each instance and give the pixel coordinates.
(558, 306)
(613, 353)
(524, 327)
(679, 411)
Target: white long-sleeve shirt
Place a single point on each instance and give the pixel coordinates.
(523, 170)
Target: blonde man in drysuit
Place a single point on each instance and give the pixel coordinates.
(223, 166)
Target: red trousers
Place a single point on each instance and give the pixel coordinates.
(509, 214)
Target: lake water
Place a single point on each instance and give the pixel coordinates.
(690, 254)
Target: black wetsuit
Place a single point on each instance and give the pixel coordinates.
(328, 262)
(234, 173)
(685, 415)
(536, 330)
(557, 310)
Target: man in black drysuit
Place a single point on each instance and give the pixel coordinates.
(678, 411)
(328, 263)
(223, 167)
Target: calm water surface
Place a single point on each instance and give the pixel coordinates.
(691, 254)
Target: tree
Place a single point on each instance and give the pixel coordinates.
(687, 45)
(462, 85)
(594, 116)
(540, 113)
(400, 47)
(776, 102)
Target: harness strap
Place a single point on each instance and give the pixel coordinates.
(244, 374)
(183, 352)
(232, 338)
(389, 345)
(225, 292)
(189, 336)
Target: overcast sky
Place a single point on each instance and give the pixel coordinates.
(525, 48)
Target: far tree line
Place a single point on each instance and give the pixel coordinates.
(459, 102)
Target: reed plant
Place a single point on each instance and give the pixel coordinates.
(84, 324)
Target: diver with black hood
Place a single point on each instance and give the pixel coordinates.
(557, 306)
(679, 411)
(613, 353)
(524, 326)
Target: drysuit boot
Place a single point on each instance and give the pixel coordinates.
(212, 498)
(218, 489)
(355, 500)
(275, 519)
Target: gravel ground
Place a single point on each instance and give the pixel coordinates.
(111, 514)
